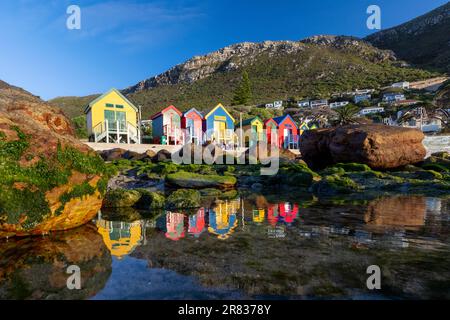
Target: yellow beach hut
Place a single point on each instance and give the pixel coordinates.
(112, 118)
(253, 129)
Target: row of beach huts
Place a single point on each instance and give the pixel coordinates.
(112, 118)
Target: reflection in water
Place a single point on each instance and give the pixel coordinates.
(175, 225)
(35, 268)
(271, 249)
(223, 219)
(121, 238)
(197, 223)
(407, 211)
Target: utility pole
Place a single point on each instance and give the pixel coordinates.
(139, 123)
(240, 121)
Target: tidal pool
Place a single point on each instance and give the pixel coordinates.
(252, 247)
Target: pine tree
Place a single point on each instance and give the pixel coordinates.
(243, 94)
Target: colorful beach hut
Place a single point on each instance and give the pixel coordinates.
(192, 123)
(286, 130)
(218, 126)
(166, 126)
(112, 118)
(253, 130)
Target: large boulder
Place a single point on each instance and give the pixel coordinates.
(378, 146)
(49, 180)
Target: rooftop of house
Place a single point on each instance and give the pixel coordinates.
(246, 122)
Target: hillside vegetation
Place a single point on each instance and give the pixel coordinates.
(315, 68)
(423, 41)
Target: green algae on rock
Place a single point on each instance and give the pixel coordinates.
(50, 181)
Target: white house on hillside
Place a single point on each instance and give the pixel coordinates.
(319, 103)
(371, 110)
(402, 85)
(393, 97)
(338, 104)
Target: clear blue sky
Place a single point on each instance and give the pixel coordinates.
(123, 42)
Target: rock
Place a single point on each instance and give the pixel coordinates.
(121, 198)
(150, 200)
(335, 184)
(113, 154)
(439, 162)
(49, 180)
(428, 175)
(210, 192)
(162, 155)
(128, 214)
(193, 180)
(257, 186)
(378, 146)
(183, 199)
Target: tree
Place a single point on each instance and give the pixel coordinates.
(243, 94)
(347, 114)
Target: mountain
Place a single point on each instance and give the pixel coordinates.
(423, 41)
(315, 67)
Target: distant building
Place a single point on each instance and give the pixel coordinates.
(278, 104)
(393, 97)
(371, 110)
(303, 103)
(338, 104)
(361, 97)
(318, 103)
(426, 125)
(402, 85)
(405, 103)
(275, 105)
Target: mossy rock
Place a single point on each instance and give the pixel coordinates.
(193, 180)
(150, 200)
(183, 199)
(228, 195)
(428, 175)
(441, 154)
(335, 184)
(353, 167)
(121, 198)
(436, 167)
(210, 192)
(297, 174)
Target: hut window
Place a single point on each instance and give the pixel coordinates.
(119, 106)
(109, 105)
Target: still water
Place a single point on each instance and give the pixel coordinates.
(252, 247)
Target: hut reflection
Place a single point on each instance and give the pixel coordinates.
(175, 226)
(223, 218)
(120, 237)
(197, 223)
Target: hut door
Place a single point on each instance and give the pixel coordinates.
(219, 130)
